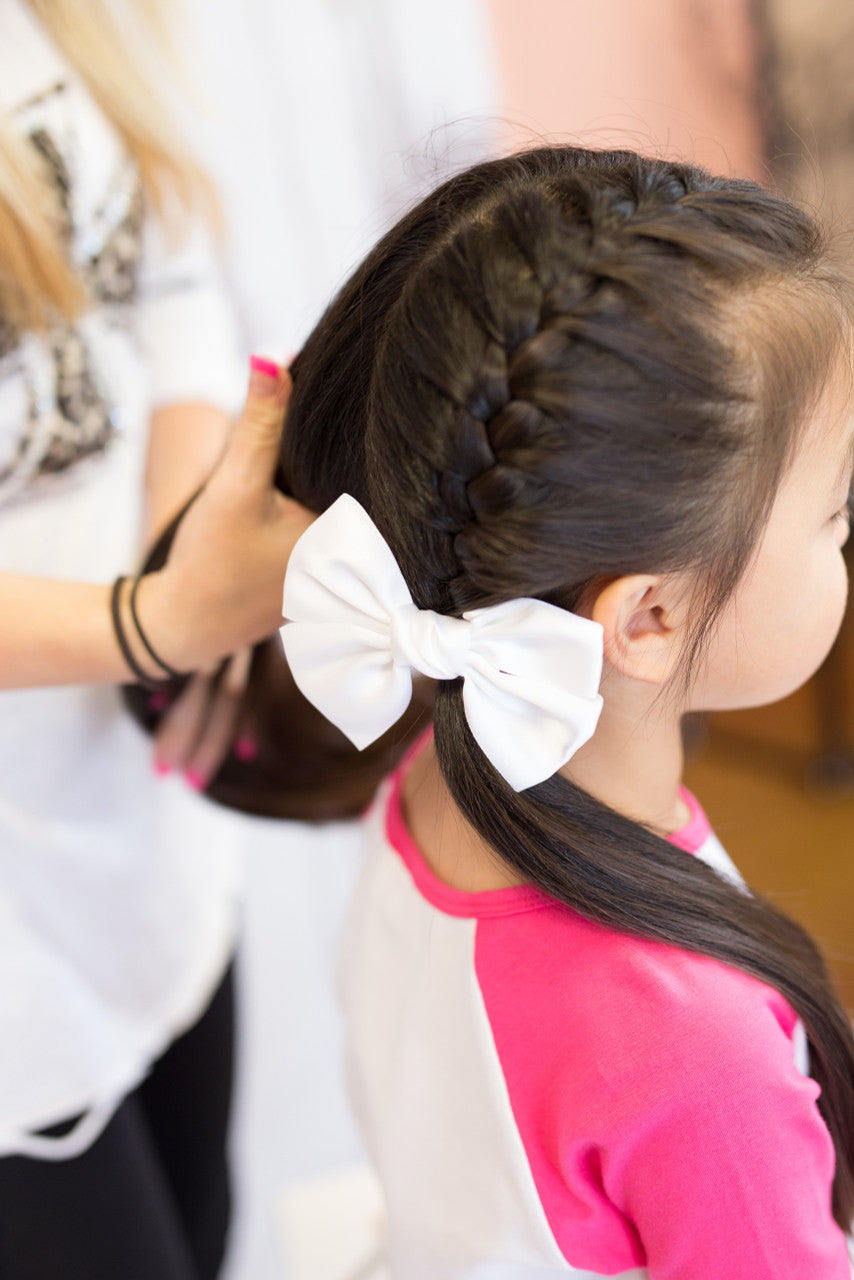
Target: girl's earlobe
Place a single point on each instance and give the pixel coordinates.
(642, 626)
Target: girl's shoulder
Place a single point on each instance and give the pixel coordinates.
(621, 1007)
(610, 995)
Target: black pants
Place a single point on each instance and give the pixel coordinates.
(150, 1198)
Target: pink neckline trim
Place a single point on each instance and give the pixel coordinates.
(697, 829)
(495, 902)
(454, 902)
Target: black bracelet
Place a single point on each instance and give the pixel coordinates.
(118, 627)
(164, 666)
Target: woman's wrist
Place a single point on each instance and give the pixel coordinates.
(168, 631)
(144, 663)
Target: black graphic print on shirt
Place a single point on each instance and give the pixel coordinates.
(69, 416)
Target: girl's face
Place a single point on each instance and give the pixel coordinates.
(785, 614)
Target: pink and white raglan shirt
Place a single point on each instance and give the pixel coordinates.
(543, 1096)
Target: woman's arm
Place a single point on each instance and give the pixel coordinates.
(185, 440)
(220, 589)
(56, 632)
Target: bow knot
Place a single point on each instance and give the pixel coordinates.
(530, 671)
(433, 643)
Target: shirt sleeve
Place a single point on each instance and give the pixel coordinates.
(727, 1168)
(185, 323)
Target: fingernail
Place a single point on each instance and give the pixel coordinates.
(263, 375)
(161, 769)
(157, 701)
(195, 780)
(246, 748)
(264, 365)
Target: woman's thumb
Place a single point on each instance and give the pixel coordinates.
(253, 450)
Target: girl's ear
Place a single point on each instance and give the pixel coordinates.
(643, 620)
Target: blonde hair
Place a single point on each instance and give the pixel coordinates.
(37, 281)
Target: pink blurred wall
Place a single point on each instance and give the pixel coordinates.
(669, 77)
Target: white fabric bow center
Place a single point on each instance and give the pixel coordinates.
(530, 670)
(435, 644)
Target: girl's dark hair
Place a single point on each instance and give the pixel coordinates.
(563, 367)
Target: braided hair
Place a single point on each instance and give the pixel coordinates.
(560, 368)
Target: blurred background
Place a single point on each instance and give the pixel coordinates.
(320, 122)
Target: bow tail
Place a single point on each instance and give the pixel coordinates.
(526, 730)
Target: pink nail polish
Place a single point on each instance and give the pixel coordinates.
(195, 780)
(161, 768)
(246, 748)
(157, 701)
(261, 364)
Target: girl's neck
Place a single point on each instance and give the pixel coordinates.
(633, 763)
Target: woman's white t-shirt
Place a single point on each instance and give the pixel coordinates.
(117, 889)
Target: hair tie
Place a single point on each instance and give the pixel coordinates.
(170, 672)
(143, 677)
(530, 670)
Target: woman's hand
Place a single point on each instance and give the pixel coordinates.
(221, 588)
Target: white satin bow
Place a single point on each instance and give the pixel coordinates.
(530, 670)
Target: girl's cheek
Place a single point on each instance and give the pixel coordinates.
(842, 530)
(831, 608)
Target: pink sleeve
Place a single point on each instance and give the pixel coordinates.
(728, 1168)
(663, 1117)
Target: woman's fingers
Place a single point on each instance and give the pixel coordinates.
(217, 737)
(182, 724)
(200, 728)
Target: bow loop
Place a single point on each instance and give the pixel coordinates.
(530, 671)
